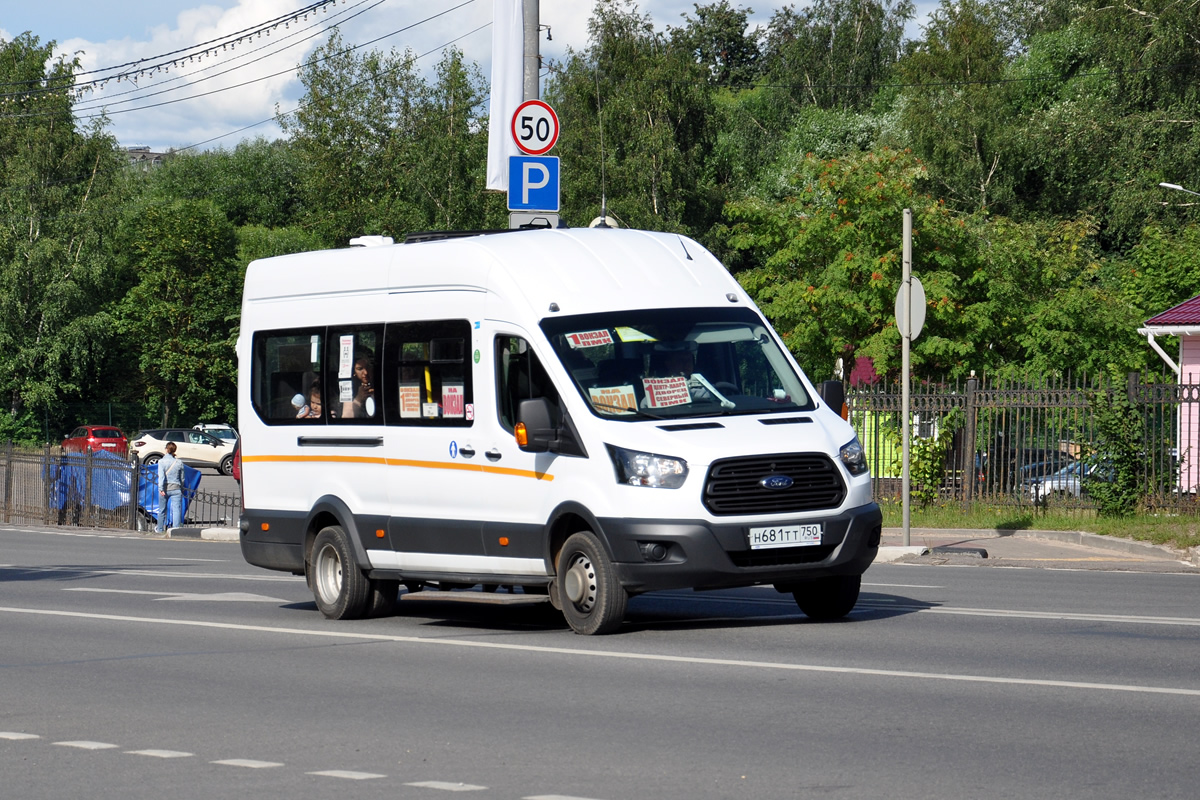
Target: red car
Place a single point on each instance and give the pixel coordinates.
(97, 437)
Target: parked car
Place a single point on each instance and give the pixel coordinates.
(1010, 469)
(217, 429)
(1070, 481)
(194, 448)
(101, 438)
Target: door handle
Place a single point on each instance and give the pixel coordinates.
(493, 454)
(466, 452)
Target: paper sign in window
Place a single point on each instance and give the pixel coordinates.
(345, 355)
(453, 400)
(410, 401)
(614, 399)
(664, 392)
(345, 391)
(589, 339)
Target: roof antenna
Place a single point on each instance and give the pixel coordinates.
(603, 221)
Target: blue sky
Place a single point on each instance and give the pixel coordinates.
(185, 110)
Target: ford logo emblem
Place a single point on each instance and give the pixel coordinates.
(776, 482)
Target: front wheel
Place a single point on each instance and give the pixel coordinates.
(829, 598)
(339, 586)
(593, 600)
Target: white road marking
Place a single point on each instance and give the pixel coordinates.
(347, 774)
(160, 753)
(446, 786)
(17, 737)
(247, 762)
(598, 654)
(153, 573)
(217, 596)
(213, 560)
(1059, 615)
(555, 797)
(85, 745)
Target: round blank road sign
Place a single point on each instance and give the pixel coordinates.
(535, 127)
(916, 307)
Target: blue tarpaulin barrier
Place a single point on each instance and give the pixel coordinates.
(148, 496)
(110, 483)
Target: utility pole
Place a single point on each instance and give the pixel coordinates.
(533, 59)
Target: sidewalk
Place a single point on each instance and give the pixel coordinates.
(1031, 548)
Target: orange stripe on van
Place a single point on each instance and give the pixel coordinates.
(402, 462)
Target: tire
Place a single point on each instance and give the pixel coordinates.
(339, 586)
(227, 465)
(826, 599)
(151, 460)
(593, 600)
(383, 597)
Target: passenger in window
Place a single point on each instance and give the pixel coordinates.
(362, 396)
(311, 410)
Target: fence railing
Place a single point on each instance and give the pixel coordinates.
(95, 490)
(1035, 441)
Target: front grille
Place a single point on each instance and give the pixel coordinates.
(733, 485)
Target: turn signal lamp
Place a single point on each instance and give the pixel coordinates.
(522, 434)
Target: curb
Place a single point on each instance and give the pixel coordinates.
(210, 534)
(1094, 540)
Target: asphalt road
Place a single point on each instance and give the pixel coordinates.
(137, 667)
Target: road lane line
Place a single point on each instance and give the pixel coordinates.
(617, 654)
(151, 573)
(447, 786)
(160, 753)
(347, 774)
(85, 745)
(249, 763)
(17, 737)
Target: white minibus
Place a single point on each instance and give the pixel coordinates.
(587, 414)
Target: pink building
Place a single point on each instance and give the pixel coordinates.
(1183, 321)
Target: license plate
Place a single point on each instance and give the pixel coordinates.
(785, 536)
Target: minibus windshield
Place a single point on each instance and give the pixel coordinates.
(676, 363)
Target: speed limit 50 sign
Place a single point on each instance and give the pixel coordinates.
(535, 127)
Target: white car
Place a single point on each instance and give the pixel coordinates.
(192, 447)
(217, 429)
(1070, 481)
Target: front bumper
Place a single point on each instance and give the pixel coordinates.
(703, 555)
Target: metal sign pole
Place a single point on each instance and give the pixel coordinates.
(905, 369)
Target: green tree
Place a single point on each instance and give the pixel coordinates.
(954, 106)
(179, 316)
(718, 39)
(827, 255)
(835, 53)
(637, 127)
(58, 188)
(256, 183)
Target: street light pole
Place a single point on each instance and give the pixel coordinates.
(1178, 188)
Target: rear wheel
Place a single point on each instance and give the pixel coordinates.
(150, 461)
(828, 598)
(593, 600)
(227, 465)
(339, 586)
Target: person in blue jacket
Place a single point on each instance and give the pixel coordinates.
(170, 490)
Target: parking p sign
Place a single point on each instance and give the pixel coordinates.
(533, 183)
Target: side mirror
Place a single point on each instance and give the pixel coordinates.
(536, 426)
(834, 395)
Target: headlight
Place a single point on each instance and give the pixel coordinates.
(647, 469)
(854, 458)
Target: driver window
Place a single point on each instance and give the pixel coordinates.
(519, 376)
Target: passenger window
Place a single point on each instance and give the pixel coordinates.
(286, 377)
(519, 376)
(427, 369)
(352, 389)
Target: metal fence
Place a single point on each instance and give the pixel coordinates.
(50, 487)
(1036, 440)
